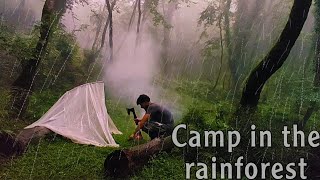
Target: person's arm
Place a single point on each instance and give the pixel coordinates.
(144, 119)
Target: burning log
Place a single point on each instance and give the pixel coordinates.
(122, 163)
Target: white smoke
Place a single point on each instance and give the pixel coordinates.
(134, 68)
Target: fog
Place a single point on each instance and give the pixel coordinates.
(136, 67)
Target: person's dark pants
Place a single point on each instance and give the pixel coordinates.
(154, 129)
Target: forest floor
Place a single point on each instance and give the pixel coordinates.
(56, 157)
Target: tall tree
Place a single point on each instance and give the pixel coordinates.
(277, 55)
(139, 16)
(226, 15)
(167, 26)
(97, 18)
(246, 16)
(110, 8)
(220, 16)
(23, 85)
(109, 24)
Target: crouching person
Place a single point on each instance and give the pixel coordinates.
(157, 121)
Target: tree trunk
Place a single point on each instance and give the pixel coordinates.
(138, 24)
(11, 146)
(110, 9)
(98, 31)
(312, 172)
(139, 16)
(146, 9)
(221, 48)
(122, 163)
(226, 15)
(277, 56)
(23, 86)
(168, 14)
(108, 22)
(133, 14)
(246, 17)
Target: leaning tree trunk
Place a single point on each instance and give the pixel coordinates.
(122, 163)
(277, 56)
(23, 85)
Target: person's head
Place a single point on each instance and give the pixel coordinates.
(144, 101)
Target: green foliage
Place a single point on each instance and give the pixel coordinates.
(15, 44)
(200, 90)
(58, 159)
(211, 54)
(157, 17)
(4, 99)
(195, 117)
(317, 15)
(203, 117)
(41, 102)
(65, 65)
(289, 94)
(163, 166)
(209, 16)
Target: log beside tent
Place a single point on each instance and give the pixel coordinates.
(80, 115)
(11, 145)
(122, 163)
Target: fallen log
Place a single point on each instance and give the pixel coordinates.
(32, 135)
(122, 163)
(11, 145)
(8, 145)
(313, 170)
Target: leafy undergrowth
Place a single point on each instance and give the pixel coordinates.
(58, 158)
(164, 166)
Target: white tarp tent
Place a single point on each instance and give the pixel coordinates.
(81, 115)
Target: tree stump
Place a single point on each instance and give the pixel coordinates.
(122, 163)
